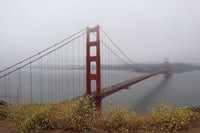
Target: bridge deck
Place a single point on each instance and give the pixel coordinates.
(117, 87)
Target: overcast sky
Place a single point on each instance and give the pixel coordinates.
(146, 30)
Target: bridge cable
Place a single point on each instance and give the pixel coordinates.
(43, 50)
(73, 51)
(19, 86)
(5, 87)
(39, 57)
(62, 84)
(41, 80)
(79, 68)
(111, 50)
(31, 83)
(9, 88)
(121, 50)
(48, 71)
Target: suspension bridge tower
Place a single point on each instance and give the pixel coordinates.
(167, 70)
(93, 62)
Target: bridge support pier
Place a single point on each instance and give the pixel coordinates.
(93, 70)
(167, 72)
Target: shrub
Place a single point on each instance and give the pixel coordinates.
(181, 119)
(59, 116)
(168, 118)
(74, 115)
(161, 116)
(82, 114)
(4, 109)
(116, 118)
(30, 118)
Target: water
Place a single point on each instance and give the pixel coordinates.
(181, 89)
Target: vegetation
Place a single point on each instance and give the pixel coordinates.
(4, 110)
(82, 116)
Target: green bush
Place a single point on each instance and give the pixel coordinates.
(82, 114)
(4, 109)
(74, 115)
(30, 118)
(166, 117)
(59, 116)
(117, 118)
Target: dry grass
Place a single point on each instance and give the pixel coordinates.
(82, 116)
(73, 115)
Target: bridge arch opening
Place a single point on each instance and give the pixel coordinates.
(93, 36)
(93, 66)
(93, 51)
(93, 85)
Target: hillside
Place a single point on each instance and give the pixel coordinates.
(82, 116)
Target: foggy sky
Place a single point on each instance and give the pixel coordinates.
(146, 30)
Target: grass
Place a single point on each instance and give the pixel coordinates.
(82, 116)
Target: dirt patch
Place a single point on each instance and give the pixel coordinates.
(5, 128)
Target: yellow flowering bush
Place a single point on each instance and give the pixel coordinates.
(74, 115)
(117, 118)
(165, 117)
(59, 116)
(81, 116)
(181, 118)
(30, 118)
(4, 109)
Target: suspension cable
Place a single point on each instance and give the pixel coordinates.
(40, 56)
(43, 50)
(121, 51)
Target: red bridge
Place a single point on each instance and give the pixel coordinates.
(65, 70)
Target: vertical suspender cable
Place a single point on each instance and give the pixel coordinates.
(41, 82)
(42, 78)
(51, 77)
(62, 70)
(19, 86)
(9, 87)
(58, 76)
(47, 67)
(5, 95)
(117, 67)
(66, 70)
(102, 65)
(106, 65)
(31, 84)
(73, 68)
(83, 63)
(55, 77)
(79, 78)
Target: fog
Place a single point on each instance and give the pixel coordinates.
(146, 30)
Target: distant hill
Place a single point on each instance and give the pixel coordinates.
(175, 67)
(142, 67)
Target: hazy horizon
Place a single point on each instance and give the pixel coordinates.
(147, 31)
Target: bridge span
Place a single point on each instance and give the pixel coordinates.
(67, 69)
(117, 87)
(103, 92)
(123, 85)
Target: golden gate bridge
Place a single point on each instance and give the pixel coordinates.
(88, 62)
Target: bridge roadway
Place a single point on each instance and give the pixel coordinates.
(117, 87)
